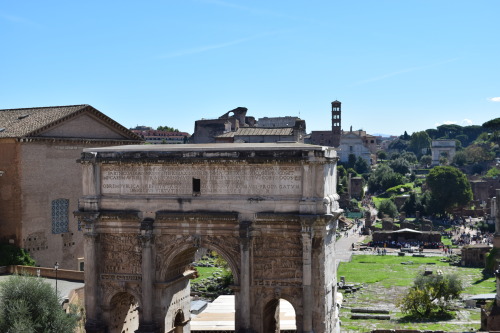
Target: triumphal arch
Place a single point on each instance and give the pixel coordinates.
(270, 210)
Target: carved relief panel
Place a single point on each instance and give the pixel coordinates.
(121, 254)
(277, 261)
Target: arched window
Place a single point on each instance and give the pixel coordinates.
(60, 219)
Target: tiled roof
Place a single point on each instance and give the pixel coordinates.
(258, 131)
(28, 122)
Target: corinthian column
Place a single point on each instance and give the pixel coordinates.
(307, 298)
(244, 294)
(93, 323)
(146, 324)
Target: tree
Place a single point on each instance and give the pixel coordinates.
(382, 155)
(387, 207)
(494, 172)
(472, 132)
(449, 187)
(477, 154)
(425, 160)
(433, 133)
(30, 305)
(12, 255)
(351, 160)
(400, 165)
(405, 136)
(419, 142)
(167, 129)
(410, 157)
(383, 178)
(449, 131)
(460, 158)
(398, 144)
(492, 125)
(412, 204)
(431, 295)
(361, 166)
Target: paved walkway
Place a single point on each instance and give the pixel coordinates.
(343, 246)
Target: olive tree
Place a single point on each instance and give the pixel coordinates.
(30, 305)
(431, 295)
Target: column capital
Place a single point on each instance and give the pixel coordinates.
(146, 233)
(87, 221)
(146, 238)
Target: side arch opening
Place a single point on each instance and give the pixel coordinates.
(124, 313)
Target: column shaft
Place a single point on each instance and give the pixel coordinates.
(307, 298)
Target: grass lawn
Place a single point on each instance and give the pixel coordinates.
(385, 280)
(377, 201)
(204, 272)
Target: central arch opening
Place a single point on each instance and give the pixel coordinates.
(279, 317)
(199, 275)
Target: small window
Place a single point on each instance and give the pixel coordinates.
(60, 219)
(196, 186)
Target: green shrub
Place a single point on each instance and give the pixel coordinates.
(12, 255)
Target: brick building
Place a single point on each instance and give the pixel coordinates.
(41, 181)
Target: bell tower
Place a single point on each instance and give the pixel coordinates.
(336, 123)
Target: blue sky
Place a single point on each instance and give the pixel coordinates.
(395, 65)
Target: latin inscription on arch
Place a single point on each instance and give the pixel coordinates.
(220, 180)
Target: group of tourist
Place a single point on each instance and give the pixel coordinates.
(406, 244)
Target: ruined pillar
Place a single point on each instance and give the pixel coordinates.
(497, 213)
(146, 324)
(307, 296)
(496, 238)
(244, 292)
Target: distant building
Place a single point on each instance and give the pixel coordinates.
(330, 138)
(359, 144)
(235, 126)
(321, 138)
(442, 148)
(205, 130)
(41, 182)
(263, 135)
(277, 121)
(155, 137)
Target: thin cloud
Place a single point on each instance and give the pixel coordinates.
(403, 71)
(18, 19)
(212, 47)
(494, 99)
